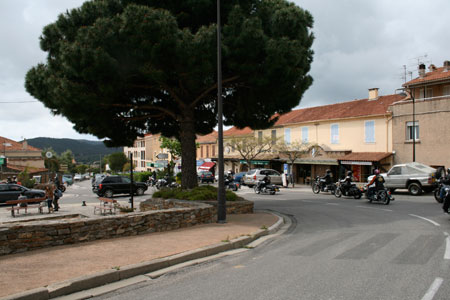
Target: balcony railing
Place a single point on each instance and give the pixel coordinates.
(434, 98)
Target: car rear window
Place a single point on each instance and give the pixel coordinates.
(251, 172)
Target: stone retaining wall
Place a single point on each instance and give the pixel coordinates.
(235, 207)
(15, 238)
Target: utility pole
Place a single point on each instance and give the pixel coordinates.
(221, 203)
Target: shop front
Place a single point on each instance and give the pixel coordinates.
(362, 164)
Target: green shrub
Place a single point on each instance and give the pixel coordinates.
(201, 193)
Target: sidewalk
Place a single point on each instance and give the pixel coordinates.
(40, 268)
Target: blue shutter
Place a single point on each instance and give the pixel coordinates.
(370, 131)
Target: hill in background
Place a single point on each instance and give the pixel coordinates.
(84, 151)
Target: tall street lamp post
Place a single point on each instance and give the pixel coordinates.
(221, 204)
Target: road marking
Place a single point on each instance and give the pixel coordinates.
(447, 246)
(384, 209)
(331, 203)
(428, 220)
(433, 289)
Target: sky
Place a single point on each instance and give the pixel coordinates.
(358, 45)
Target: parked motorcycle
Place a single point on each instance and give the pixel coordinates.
(319, 185)
(352, 191)
(382, 196)
(262, 188)
(151, 181)
(62, 188)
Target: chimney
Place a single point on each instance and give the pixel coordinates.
(422, 70)
(373, 94)
(446, 66)
(432, 68)
(24, 145)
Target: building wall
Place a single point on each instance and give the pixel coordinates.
(25, 158)
(351, 134)
(434, 123)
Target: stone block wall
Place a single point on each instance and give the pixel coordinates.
(21, 237)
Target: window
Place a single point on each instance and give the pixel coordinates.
(274, 137)
(201, 151)
(446, 91)
(335, 133)
(412, 131)
(213, 150)
(305, 135)
(207, 151)
(260, 136)
(142, 154)
(395, 171)
(287, 135)
(425, 93)
(369, 131)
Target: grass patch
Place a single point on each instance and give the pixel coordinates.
(200, 193)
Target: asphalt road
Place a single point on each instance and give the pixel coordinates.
(82, 191)
(336, 249)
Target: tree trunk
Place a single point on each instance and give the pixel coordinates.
(189, 151)
(292, 174)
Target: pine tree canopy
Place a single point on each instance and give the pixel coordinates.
(120, 68)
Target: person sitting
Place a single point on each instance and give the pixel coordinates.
(375, 184)
(347, 182)
(445, 180)
(327, 179)
(264, 182)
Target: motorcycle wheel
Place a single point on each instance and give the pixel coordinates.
(338, 193)
(272, 192)
(437, 196)
(62, 188)
(257, 191)
(357, 196)
(315, 188)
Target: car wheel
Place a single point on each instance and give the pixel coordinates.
(140, 191)
(109, 194)
(414, 189)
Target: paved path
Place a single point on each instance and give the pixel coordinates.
(45, 266)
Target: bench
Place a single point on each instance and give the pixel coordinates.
(16, 208)
(106, 204)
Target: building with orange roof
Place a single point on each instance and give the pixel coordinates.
(20, 155)
(421, 120)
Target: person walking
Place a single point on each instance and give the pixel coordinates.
(49, 196)
(56, 195)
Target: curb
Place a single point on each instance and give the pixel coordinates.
(152, 269)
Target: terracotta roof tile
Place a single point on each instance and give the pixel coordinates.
(365, 156)
(356, 108)
(208, 138)
(234, 131)
(15, 146)
(436, 75)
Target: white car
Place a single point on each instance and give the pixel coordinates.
(77, 177)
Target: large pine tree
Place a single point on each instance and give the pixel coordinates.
(120, 68)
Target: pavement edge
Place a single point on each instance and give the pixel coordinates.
(154, 268)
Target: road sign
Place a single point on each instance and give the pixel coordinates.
(63, 167)
(162, 156)
(48, 154)
(2, 160)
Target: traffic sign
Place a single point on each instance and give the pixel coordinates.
(48, 154)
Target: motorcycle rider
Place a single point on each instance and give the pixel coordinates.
(376, 184)
(446, 183)
(327, 178)
(347, 182)
(264, 182)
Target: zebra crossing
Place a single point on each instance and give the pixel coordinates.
(403, 249)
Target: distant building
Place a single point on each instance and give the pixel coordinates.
(421, 122)
(20, 155)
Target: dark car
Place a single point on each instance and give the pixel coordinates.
(205, 176)
(11, 191)
(111, 185)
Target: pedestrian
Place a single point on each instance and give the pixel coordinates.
(49, 196)
(56, 195)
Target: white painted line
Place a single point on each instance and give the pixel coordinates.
(383, 209)
(428, 220)
(447, 246)
(433, 289)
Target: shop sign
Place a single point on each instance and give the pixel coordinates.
(255, 162)
(361, 163)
